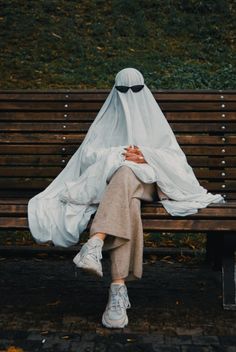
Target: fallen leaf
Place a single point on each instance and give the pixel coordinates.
(56, 35)
(54, 303)
(14, 349)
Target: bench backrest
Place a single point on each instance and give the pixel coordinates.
(40, 131)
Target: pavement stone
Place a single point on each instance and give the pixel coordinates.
(83, 346)
(197, 349)
(179, 340)
(167, 348)
(205, 340)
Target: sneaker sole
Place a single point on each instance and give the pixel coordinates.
(107, 325)
(88, 269)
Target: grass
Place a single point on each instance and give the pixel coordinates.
(83, 44)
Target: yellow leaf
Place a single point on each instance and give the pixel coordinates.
(14, 349)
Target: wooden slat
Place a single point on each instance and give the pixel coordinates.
(38, 117)
(62, 160)
(41, 138)
(53, 171)
(33, 160)
(13, 201)
(196, 225)
(96, 105)
(227, 173)
(44, 127)
(10, 193)
(203, 127)
(210, 150)
(13, 210)
(189, 225)
(101, 94)
(40, 183)
(14, 223)
(206, 140)
(145, 205)
(66, 126)
(151, 212)
(6, 137)
(221, 212)
(191, 116)
(44, 149)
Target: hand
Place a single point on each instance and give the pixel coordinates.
(134, 154)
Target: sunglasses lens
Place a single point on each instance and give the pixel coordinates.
(137, 88)
(122, 89)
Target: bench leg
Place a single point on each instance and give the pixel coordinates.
(214, 250)
(229, 272)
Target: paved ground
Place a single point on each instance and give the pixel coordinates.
(175, 307)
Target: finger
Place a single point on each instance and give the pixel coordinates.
(134, 151)
(131, 154)
(134, 158)
(138, 161)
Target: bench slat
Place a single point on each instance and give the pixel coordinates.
(101, 94)
(53, 171)
(71, 149)
(54, 127)
(95, 106)
(40, 183)
(6, 137)
(61, 161)
(155, 211)
(189, 116)
(197, 225)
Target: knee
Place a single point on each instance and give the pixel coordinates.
(125, 169)
(124, 173)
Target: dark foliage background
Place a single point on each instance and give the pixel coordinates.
(83, 44)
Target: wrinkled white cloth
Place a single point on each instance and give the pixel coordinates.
(62, 211)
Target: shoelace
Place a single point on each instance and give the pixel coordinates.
(95, 252)
(97, 255)
(119, 300)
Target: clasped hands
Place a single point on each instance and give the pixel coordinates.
(133, 153)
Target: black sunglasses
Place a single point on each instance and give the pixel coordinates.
(135, 89)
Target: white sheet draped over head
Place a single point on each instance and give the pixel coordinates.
(62, 211)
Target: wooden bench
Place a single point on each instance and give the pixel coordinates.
(40, 131)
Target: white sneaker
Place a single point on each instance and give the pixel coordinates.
(115, 315)
(90, 255)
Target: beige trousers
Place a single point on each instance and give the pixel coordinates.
(119, 216)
